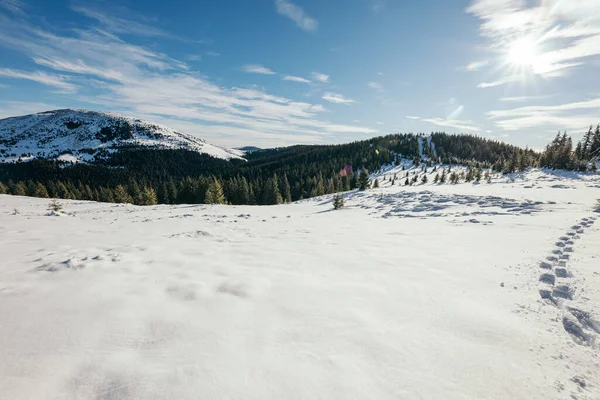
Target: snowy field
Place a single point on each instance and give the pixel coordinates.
(427, 292)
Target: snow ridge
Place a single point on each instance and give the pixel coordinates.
(79, 135)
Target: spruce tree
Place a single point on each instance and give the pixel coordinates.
(376, 184)
(363, 180)
(40, 191)
(20, 189)
(424, 179)
(338, 202)
(121, 196)
(214, 193)
(286, 193)
(149, 197)
(271, 194)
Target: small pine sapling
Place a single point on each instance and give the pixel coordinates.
(55, 206)
(338, 202)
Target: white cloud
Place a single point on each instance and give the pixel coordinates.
(412, 117)
(212, 54)
(320, 77)
(130, 24)
(295, 79)
(380, 123)
(57, 81)
(336, 98)
(499, 82)
(457, 124)
(565, 34)
(115, 75)
(296, 14)
(15, 6)
(17, 108)
(522, 99)
(571, 116)
(257, 69)
(194, 57)
(376, 86)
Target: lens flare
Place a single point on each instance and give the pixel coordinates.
(456, 113)
(476, 66)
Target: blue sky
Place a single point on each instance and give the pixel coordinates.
(280, 72)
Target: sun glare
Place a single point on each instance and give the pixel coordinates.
(523, 52)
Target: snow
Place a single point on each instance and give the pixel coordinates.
(422, 292)
(60, 133)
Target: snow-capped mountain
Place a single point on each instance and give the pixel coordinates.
(82, 135)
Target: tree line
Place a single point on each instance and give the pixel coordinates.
(146, 176)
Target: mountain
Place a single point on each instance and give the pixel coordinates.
(248, 149)
(82, 135)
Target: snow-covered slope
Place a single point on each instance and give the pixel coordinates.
(449, 292)
(77, 135)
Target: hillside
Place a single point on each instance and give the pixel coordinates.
(103, 157)
(81, 135)
(456, 292)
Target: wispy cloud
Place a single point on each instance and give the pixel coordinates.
(212, 54)
(295, 79)
(376, 86)
(380, 123)
(119, 76)
(16, 108)
(453, 123)
(16, 6)
(377, 5)
(296, 14)
(522, 99)
(56, 81)
(572, 116)
(257, 69)
(412, 117)
(564, 34)
(336, 98)
(126, 23)
(499, 82)
(320, 77)
(194, 57)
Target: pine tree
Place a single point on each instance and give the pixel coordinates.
(338, 202)
(20, 189)
(363, 180)
(3, 188)
(406, 182)
(443, 177)
(121, 196)
(437, 178)
(214, 193)
(135, 192)
(286, 192)
(376, 184)
(271, 194)
(149, 197)
(172, 191)
(40, 191)
(424, 179)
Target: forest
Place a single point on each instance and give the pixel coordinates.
(274, 176)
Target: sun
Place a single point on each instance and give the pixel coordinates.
(523, 53)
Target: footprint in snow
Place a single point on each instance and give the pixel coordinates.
(548, 279)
